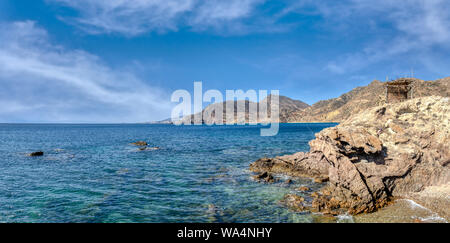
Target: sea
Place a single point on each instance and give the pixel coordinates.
(92, 173)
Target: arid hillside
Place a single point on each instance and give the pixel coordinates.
(287, 106)
(362, 98)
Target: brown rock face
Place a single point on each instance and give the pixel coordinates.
(387, 151)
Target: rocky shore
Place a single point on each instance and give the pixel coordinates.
(390, 151)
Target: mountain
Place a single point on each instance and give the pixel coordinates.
(286, 107)
(333, 110)
(165, 121)
(362, 98)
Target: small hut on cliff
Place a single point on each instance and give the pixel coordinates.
(399, 90)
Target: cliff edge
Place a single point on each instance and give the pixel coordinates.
(392, 150)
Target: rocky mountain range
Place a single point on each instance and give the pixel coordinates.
(287, 106)
(332, 110)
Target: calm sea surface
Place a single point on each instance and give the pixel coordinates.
(91, 173)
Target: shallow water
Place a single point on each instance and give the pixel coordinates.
(402, 211)
(91, 173)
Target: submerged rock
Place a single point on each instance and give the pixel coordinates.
(294, 202)
(148, 148)
(303, 189)
(38, 153)
(267, 177)
(212, 209)
(383, 152)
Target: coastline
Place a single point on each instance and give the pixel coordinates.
(152, 123)
(222, 176)
(373, 158)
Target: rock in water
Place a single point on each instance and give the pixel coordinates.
(303, 189)
(140, 143)
(267, 177)
(386, 151)
(294, 202)
(38, 153)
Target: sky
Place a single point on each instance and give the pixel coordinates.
(115, 61)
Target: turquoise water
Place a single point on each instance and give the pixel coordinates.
(91, 173)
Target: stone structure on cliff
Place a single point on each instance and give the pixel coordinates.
(399, 90)
(393, 150)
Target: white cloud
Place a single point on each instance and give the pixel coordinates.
(425, 20)
(44, 82)
(405, 28)
(134, 17)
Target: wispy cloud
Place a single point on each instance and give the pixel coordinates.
(387, 28)
(404, 28)
(45, 82)
(134, 17)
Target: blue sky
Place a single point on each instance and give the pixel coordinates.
(119, 61)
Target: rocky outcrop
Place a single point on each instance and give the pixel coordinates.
(299, 164)
(387, 151)
(35, 154)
